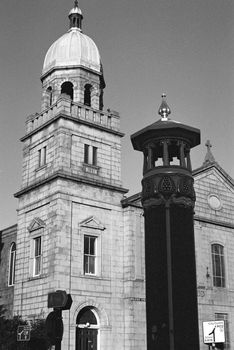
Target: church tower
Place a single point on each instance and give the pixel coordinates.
(70, 225)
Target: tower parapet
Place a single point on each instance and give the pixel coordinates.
(108, 120)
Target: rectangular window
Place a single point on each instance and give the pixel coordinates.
(224, 317)
(42, 156)
(94, 155)
(86, 154)
(90, 155)
(90, 248)
(37, 256)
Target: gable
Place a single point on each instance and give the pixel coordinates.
(214, 195)
(92, 222)
(36, 224)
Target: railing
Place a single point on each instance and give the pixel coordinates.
(109, 119)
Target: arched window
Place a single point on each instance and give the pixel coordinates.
(11, 275)
(217, 253)
(67, 88)
(87, 329)
(87, 94)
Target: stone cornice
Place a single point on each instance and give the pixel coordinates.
(213, 222)
(74, 178)
(57, 68)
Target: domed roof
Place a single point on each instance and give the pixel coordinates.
(73, 49)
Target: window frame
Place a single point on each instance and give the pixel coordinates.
(90, 256)
(37, 257)
(90, 155)
(218, 265)
(12, 258)
(42, 156)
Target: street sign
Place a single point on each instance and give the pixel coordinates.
(213, 332)
(59, 300)
(23, 333)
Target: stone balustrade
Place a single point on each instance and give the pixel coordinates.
(108, 119)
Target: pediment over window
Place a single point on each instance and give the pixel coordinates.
(93, 223)
(36, 224)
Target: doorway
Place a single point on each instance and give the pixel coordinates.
(86, 339)
(86, 330)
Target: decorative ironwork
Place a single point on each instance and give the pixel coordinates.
(167, 185)
(176, 188)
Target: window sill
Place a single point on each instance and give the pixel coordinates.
(41, 167)
(33, 278)
(96, 277)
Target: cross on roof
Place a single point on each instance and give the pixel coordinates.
(209, 158)
(208, 145)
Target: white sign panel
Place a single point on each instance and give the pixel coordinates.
(213, 332)
(23, 333)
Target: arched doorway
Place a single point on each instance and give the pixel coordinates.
(87, 329)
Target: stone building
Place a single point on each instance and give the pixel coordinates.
(214, 240)
(7, 268)
(77, 231)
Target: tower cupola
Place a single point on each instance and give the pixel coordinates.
(72, 66)
(75, 16)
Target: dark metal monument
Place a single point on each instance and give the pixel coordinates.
(168, 200)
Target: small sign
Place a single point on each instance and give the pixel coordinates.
(59, 300)
(23, 333)
(213, 332)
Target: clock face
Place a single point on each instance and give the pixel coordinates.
(214, 202)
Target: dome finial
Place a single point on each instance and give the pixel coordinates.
(76, 3)
(164, 109)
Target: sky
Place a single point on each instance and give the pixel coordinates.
(181, 47)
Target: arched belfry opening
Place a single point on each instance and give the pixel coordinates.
(49, 96)
(87, 94)
(67, 88)
(87, 329)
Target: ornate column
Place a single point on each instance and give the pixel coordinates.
(168, 199)
(165, 153)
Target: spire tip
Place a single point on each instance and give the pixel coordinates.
(164, 109)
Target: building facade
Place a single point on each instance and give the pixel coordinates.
(77, 231)
(7, 268)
